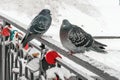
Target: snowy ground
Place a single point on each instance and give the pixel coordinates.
(99, 17)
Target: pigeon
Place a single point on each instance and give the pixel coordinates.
(76, 40)
(39, 25)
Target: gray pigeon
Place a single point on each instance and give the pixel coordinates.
(76, 40)
(38, 26)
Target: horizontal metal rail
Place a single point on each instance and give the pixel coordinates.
(78, 72)
(106, 37)
(94, 66)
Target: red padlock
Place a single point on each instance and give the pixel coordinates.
(51, 56)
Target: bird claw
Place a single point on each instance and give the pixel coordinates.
(70, 52)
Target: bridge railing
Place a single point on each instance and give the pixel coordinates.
(100, 69)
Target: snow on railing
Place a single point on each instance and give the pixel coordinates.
(17, 24)
(94, 66)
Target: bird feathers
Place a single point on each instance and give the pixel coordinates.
(39, 25)
(75, 39)
(79, 38)
(98, 47)
(26, 39)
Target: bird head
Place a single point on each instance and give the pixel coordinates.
(65, 23)
(45, 12)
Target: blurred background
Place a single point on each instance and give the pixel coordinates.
(97, 17)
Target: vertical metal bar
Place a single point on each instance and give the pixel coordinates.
(6, 62)
(15, 76)
(11, 46)
(40, 61)
(9, 63)
(31, 76)
(20, 69)
(21, 53)
(15, 49)
(26, 69)
(3, 59)
(12, 61)
(1, 63)
(26, 72)
(16, 66)
(2, 67)
(41, 71)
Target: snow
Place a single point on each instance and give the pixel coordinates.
(22, 78)
(100, 66)
(112, 57)
(33, 65)
(98, 17)
(15, 70)
(62, 72)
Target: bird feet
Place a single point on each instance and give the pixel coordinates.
(70, 52)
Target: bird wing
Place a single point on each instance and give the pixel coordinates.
(79, 37)
(40, 24)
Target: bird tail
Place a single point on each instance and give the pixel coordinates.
(26, 39)
(99, 47)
